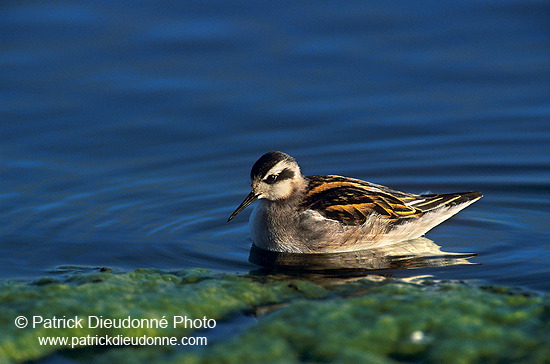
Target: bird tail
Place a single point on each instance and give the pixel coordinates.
(431, 202)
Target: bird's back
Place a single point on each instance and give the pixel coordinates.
(351, 201)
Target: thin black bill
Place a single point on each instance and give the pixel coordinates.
(247, 201)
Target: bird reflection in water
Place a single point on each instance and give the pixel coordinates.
(416, 253)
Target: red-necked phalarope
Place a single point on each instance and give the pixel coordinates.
(328, 214)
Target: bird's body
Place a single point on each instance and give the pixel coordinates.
(321, 214)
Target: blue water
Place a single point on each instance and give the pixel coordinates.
(128, 128)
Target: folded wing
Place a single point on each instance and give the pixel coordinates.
(351, 201)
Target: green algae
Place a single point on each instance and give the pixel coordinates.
(397, 322)
(355, 321)
(139, 294)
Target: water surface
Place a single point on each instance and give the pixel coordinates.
(129, 128)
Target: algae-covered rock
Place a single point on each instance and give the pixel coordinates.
(286, 319)
(81, 305)
(453, 324)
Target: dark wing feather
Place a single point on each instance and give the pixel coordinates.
(430, 202)
(351, 201)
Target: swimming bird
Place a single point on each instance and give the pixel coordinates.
(329, 213)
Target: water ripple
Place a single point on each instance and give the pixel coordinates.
(129, 133)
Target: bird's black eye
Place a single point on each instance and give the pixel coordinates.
(284, 174)
(271, 179)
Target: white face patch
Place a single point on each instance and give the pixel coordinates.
(283, 169)
(279, 182)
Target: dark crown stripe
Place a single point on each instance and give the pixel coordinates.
(266, 162)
